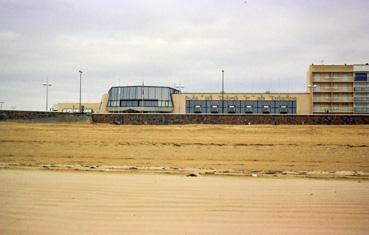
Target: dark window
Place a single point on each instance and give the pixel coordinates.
(265, 109)
(139, 103)
(248, 109)
(197, 109)
(283, 109)
(231, 109)
(214, 109)
(361, 77)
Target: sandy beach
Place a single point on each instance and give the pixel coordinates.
(307, 151)
(49, 202)
(82, 178)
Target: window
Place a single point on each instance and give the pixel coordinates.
(361, 77)
(214, 109)
(197, 109)
(248, 109)
(283, 109)
(231, 109)
(265, 109)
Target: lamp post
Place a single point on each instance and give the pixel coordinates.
(180, 87)
(47, 84)
(223, 91)
(80, 91)
(311, 87)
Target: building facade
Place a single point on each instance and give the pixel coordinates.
(148, 99)
(339, 88)
(334, 89)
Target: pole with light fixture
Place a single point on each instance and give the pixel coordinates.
(47, 84)
(80, 91)
(222, 91)
(311, 88)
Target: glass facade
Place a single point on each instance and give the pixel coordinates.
(241, 106)
(141, 99)
(361, 93)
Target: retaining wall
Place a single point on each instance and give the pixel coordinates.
(10, 115)
(165, 119)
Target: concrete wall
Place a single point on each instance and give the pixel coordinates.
(165, 119)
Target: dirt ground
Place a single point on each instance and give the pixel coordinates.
(213, 148)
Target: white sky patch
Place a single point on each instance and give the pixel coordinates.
(262, 45)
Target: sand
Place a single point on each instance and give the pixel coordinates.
(308, 151)
(81, 178)
(49, 202)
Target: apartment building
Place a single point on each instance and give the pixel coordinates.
(339, 88)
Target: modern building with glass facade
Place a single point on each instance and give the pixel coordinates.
(148, 99)
(332, 89)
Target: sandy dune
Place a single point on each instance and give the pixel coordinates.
(48, 202)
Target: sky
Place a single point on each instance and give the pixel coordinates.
(263, 45)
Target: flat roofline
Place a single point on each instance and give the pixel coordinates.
(240, 93)
(144, 86)
(364, 64)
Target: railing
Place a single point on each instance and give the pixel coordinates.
(333, 79)
(333, 89)
(333, 100)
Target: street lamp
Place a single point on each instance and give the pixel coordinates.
(80, 90)
(223, 91)
(47, 84)
(311, 87)
(180, 87)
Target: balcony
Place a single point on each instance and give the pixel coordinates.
(333, 89)
(333, 79)
(332, 100)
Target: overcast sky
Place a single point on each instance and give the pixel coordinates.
(261, 44)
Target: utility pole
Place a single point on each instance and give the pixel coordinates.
(47, 84)
(222, 91)
(142, 96)
(80, 91)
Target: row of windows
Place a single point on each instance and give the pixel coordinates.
(362, 99)
(238, 106)
(365, 89)
(265, 109)
(139, 92)
(361, 109)
(332, 75)
(139, 103)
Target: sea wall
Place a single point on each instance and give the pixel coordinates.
(37, 116)
(167, 119)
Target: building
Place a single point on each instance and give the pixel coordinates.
(333, 89)
(74, 107)
(148, 99)
(339, 88)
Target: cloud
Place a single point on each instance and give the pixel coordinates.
(262, 45)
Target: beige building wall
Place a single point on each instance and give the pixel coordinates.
(104, 103)
(303, 100)
(331, 87)
(64, 107)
